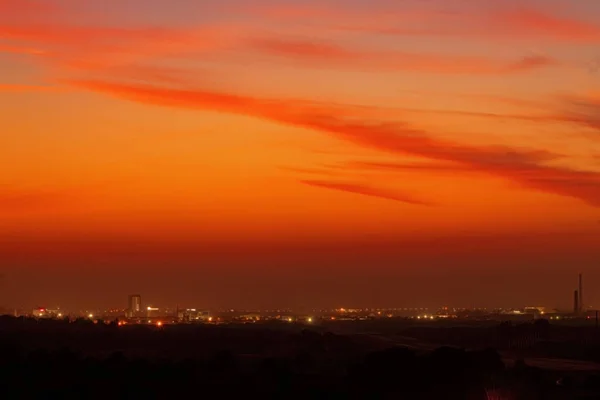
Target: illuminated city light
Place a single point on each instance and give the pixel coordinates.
(210, 319)
(91, 316)
(309, 319)
(159, 324)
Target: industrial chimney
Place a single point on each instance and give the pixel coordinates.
(576, 302)
(581, 309)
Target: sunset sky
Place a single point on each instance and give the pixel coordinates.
(299, 153)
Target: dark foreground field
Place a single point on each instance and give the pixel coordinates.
(83, 360)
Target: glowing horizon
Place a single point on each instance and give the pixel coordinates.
(293, 125)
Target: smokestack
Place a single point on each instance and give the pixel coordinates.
(581, 293)
(576, 302)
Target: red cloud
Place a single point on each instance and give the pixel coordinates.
(325, 54)
(524, 167)
(365, 190)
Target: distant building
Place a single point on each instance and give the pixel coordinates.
(250, 317)
(534, 310)
(42, 312)
(134, 308)
(193, 314)
(152, 312)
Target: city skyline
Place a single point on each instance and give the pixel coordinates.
(299, 153)
(136, 306)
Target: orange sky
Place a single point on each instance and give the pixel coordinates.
(276, 134)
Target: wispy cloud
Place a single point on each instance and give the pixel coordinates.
(501, 22)
(396, 166)
(528, 168)
(92, 47)
(140, 72)
(542, 24)
(579, 110)
(5, 48)
(582, 110)
(104, 41)
(111, 50)
(366, 191)
(310, 171)
(326, 54)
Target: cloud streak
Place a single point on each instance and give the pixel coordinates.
(310, 171)
(365, 190)
(103, 40)
(5, 48)
(500, 22)
(537, 23)
(330, 55)
(528, 168)
(395, 166)
(582, 110)
(109, 50)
